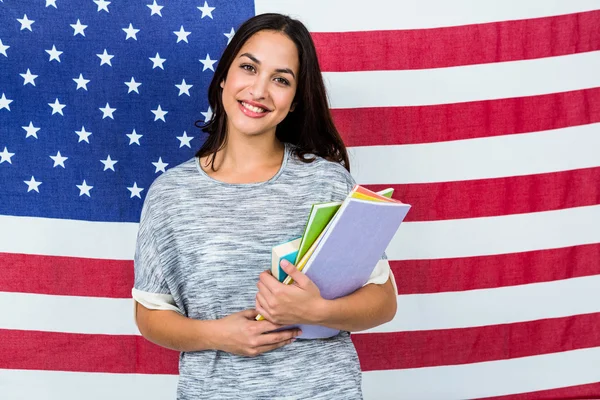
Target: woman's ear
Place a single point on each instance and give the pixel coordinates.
(222, 83)
(292, 107)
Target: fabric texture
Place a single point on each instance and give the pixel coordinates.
(204, 242)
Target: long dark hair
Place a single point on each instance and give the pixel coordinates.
(310, 126)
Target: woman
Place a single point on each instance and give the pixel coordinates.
(208, 226)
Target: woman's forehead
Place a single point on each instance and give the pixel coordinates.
(272, 48)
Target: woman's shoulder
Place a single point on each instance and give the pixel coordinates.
(320, 167)
(174, 178)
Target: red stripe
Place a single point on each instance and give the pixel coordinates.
(459, 45)
(400, 350)
(438, 123)
(469, 273)
(579, 392)
(499, 196)
(66, 276)
(377, 351)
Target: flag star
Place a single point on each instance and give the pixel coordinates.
(157, 61)
(59, 160)
(184, 88)
(182, 35)
(32, 185)
(185, 140)
(133, 86)
(207, 115)
(3, 48)
(134, 138)
(155, 8)
(31, 130)
(57, 107)
(4, 102)
(135, 191)
(25, 22)
(160, 165)
(108, 163)
(229, 35)
(105, 58)
(83, 135)
(206, 10)
(5, 156)
(28, 77)
(107, 111)
(131, 32)
(54, 54)
(84, 188)
(51, 3)
(78, 28)
(102, 5)
(208, 63)
(81, 82)
(159, 113)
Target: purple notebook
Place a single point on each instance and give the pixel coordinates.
(348, 252)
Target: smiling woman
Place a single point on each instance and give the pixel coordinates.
(208, 226)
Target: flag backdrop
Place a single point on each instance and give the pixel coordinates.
(485, 116)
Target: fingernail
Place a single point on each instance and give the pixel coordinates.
(284, 263)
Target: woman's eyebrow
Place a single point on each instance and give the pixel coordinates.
(280, 70)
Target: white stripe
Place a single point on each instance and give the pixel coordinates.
(497, 378)
(71, 314)
(414, 240)
(503, 305)
(496, 235)
(359, 15)
(415, 312)
(549, 371)
(464, 83)
(58, 237)
(482, 158)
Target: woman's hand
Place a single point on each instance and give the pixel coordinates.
(298, 303)
(244, 336)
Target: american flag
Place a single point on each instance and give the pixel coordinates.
(485, 116)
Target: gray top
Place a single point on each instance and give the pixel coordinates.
(204, 242)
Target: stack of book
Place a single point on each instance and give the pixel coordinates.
(341, 245)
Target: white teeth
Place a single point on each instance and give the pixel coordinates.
(252, 108)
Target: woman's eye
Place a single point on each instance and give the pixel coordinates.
(248, 67)
(283, 81)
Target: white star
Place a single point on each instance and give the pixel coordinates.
(184, 88)
(108, 163)
(78, 28)
(4, 102)
(5, 156)
(134, 138)
(182, 35)
(28, 77)
(107, 111)
(208, 63)
(57, 107)
(207, 115)
(133, 85)
(185, 140)
(102, 5)
(229, 35)
(105, 58)
(206, 10)
(51, 3)
(3, 48)
(159, 114)
(84, 189)
(81, 82)
(131, 32)
(25, 22)
(83, 135)
(31, 130)
(59, 160)
(157, 61)
(160, 165)
(135, 191)
(32, 185)
(155, 8)
(54, 54)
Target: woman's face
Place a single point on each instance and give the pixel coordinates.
(260, 84)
